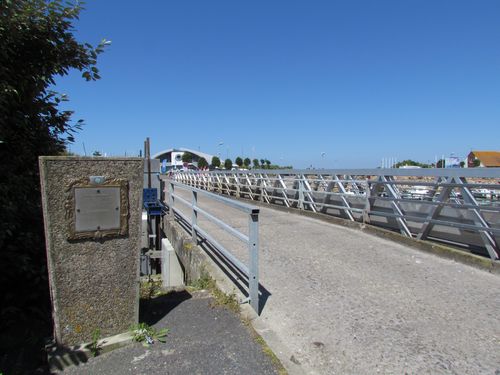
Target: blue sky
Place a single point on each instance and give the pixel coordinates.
(288, 80)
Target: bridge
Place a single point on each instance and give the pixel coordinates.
(336, 299)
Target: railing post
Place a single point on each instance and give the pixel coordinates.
(262, 185)
(253, 248)
(237, 182)
(301, 193)
(194, 215)
(171, 199)
(367, 208)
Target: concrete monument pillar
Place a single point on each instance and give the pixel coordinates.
(92, 210)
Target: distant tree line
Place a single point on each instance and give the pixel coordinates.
(412, 163)
(440, 164)
(241, 162)
(245, 163)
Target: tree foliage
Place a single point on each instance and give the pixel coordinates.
(256, 164)
(36, 45)
(239, 161)
(202, 163)
(228, 164)
(215, 162)
(187, 157)
(409, 162)
(247, 163)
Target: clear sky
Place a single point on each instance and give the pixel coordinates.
(287, 80)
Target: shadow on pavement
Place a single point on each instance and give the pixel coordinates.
(154, 309)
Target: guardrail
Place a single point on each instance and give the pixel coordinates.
(252, 240)
(456, 206)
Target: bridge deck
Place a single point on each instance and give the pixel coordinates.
(346, 302)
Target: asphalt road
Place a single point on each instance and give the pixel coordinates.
(345, 302)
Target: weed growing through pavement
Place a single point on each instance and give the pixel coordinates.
(146, 334)
(95, 347)
(265, 348)
(205, 282)
(151, 287)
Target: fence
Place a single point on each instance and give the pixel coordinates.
(456, 206)
(251, 240)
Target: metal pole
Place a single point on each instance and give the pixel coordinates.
(194, 215)
(253, 249)
(148, 156)
(171, 199)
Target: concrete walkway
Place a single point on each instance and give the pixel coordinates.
(345, 302)
(202, 339)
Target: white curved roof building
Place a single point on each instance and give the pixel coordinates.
(173, 157)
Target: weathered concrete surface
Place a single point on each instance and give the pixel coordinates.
(202, 339)
(190, 255)
(94, 283)
(346, 302)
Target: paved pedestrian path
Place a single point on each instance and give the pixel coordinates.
(346, 302)
(203, 339)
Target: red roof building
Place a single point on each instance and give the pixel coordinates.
(488, 159)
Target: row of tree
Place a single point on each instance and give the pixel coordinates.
(246, 163)
(241, 163)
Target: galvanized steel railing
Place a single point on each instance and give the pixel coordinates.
(251, 240)
(457, 206)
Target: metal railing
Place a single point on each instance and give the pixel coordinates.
(251, 271)
(456, 206)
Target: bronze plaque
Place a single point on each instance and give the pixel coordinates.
(97, 210)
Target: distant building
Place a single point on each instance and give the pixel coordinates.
(172, 158)
(488, 159)
(409, 167)
(452, 162)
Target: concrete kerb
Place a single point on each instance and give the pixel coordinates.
(437, 249)
(197, 262)
(60, 358)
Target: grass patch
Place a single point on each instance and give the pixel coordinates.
(204, 282)
(228, 301)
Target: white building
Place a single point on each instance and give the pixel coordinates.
(172, 158)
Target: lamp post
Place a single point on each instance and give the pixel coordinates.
(220, 144)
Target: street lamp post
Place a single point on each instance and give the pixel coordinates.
(220, 144)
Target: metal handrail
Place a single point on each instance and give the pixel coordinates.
(252, 240)
(434, 199)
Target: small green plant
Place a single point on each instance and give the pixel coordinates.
(151, 288)
(146, 334)
(228, 301)
(95, 347)
(204, 282)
